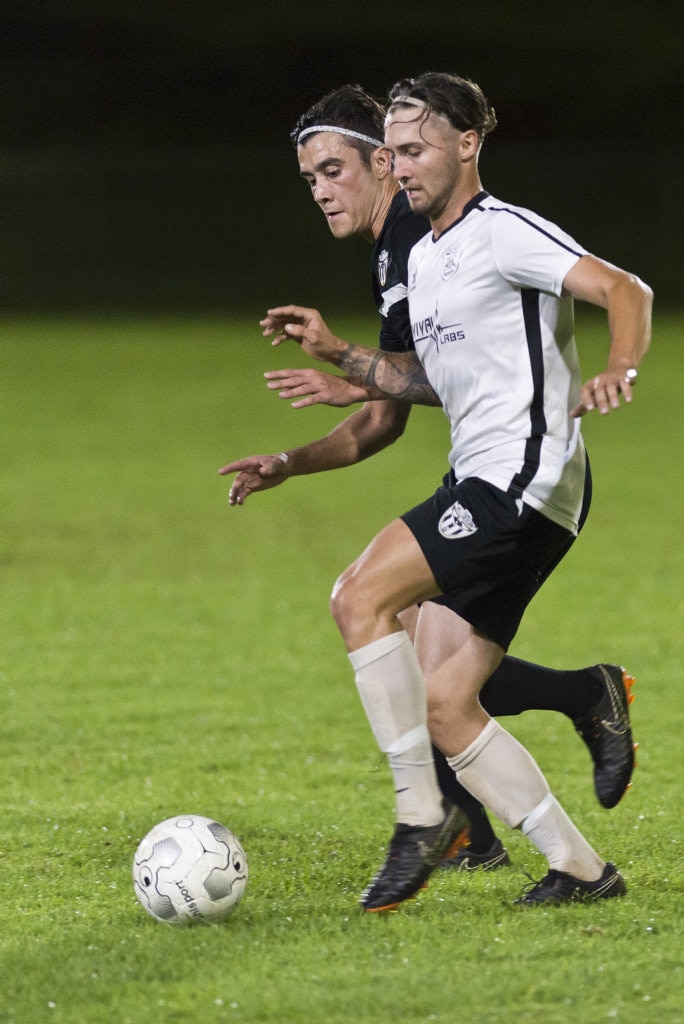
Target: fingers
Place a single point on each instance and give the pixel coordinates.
(304, 384)
(314, 398)
(291, 312)
(242, 486)
(245, 482)
(237, 467)
(288, 321)
(276, 375)
(239, 492)
(284, 330)
(314, 387)
(255, 473)
(603, 392)
(291, 381)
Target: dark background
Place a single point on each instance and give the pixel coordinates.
(145, 162)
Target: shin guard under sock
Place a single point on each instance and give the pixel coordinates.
(392, 689)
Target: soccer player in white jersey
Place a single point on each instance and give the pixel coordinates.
(477, 551)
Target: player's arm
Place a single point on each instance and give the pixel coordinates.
(363, 433)
(628, 302)
(398, 375)
(316, 387)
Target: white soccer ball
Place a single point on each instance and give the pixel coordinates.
(189, 869)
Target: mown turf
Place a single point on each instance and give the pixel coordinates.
(163, 653)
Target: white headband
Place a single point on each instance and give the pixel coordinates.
(338, 131)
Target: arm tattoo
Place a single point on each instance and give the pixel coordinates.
(395, 374)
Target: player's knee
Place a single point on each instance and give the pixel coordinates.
(347, 602)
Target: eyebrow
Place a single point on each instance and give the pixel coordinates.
(405, 145)
(323, 164)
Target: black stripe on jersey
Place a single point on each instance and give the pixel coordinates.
(529, 298)
(531, 224)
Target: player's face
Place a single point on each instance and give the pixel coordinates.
(427, 158)
(344, 187)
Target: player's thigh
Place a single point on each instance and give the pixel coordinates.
(409, 620)
(389, 576)
(439, 634)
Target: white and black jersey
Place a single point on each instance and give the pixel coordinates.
(495, 335)
(389, 264)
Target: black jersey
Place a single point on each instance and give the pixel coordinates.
(401, 231)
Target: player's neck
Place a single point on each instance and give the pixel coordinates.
(389, 191)
(454, 207)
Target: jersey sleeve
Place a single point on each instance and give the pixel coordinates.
(390, 277)
(395, 323)
(532, 252)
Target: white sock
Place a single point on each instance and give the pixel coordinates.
(392, 689)
(501, 773)
(561, 842)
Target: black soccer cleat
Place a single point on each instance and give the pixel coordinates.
(465, 860)
(413, 854)
(606, 730)
(559, 887)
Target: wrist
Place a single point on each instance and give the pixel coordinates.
(621, 365)
(626, 370)
(287, 464)
(341, 356)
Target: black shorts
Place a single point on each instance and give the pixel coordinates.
(488, 552)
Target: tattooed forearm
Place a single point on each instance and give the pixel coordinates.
(394, 374)
(401, 375)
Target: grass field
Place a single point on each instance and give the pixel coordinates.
(165, 654)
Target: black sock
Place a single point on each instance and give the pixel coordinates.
(518, 686)
(482, 834)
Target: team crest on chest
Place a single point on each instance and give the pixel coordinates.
(450, 262)
(383, 264)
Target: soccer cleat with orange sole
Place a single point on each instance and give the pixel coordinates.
(414, 852)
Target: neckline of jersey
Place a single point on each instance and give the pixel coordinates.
(470, 205)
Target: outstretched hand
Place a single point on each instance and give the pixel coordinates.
(255, 473)
(603, 392)
(305, 326)
(315, 387)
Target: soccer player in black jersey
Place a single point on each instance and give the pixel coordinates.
(341, 155)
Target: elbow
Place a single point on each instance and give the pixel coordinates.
(396, 428)
(396, 432)
(631, 296)
(388, 438)
(643, 293)
(388, 429)
(644, 301)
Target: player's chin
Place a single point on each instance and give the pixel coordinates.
(417, 201)
(340, 228)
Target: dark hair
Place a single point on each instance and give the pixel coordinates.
(458, 99)
(348, 107)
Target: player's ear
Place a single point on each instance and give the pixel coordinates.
(381, 162)
(469, 144)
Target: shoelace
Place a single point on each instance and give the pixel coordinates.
(535, 883)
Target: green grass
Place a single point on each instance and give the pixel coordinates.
(164, 654)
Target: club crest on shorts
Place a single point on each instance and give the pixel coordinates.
(457, 522)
